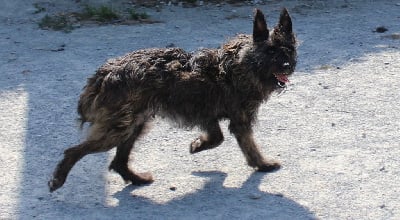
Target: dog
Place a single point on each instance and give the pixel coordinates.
(193, 89)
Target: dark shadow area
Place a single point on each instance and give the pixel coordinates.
(335, 34)
(246, 202)
(212, 201)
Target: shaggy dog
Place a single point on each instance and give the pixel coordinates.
(199, 89)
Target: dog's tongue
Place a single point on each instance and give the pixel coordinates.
(282, 78)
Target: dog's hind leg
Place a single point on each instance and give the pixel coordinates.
(73, 155)
(244, 135)
(211, 139)
(102, 138)
(120, 162)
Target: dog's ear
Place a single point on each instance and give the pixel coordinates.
(260, 30)
(285, 22)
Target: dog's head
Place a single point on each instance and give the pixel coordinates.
(275, 52)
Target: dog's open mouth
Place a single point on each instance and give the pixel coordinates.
(282, 80)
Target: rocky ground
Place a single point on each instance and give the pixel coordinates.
(335, 130)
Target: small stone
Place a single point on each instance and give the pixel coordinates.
(381, 29)
(172, 188)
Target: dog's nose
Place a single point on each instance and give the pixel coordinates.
(286, 65)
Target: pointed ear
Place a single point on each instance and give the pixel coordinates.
(285, 22)
(260, 30)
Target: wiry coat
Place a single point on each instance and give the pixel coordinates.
(189, 88)
(196, 89)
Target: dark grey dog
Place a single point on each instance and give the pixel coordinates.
(197, 89)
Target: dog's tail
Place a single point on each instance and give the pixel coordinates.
(87, 100)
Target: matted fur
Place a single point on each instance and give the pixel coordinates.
(198, 89)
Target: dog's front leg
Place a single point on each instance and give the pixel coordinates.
(211, 139)
(244, 136)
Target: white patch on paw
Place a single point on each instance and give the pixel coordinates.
(197, 143)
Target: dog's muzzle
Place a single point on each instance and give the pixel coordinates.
(281, 84)
(282, 79)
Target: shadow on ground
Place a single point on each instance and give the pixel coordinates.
(212, 201)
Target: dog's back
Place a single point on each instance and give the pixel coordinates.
(130, 78)
(157, 81)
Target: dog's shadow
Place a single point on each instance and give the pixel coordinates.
(214, 201)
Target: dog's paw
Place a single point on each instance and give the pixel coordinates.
(54, 184)
(269, 166)
(196, 146)
(142, 178)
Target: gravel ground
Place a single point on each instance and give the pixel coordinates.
(335, 130)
